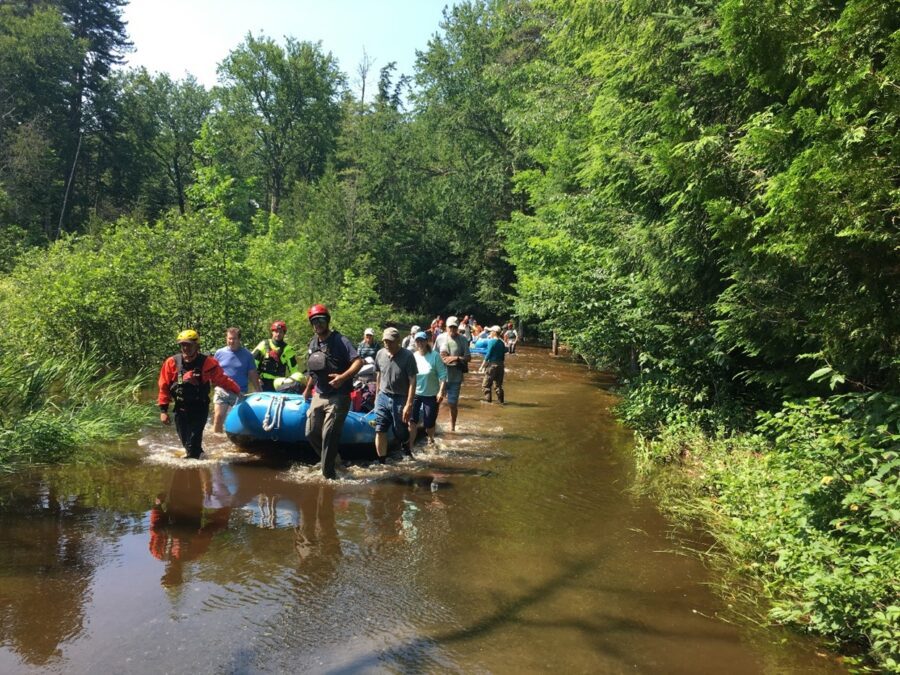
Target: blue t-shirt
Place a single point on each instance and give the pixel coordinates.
(432, 372)
(237, 365)
(496, 351)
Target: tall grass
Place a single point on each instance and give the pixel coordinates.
(52, 411)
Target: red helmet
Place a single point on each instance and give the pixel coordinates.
(278, 324)
(318, 310)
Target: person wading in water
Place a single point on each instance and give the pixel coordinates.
(454, 351)
(185, 379)
(332, 361)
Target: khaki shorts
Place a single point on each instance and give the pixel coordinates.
(224, 397)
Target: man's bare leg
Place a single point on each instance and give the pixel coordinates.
(219, 415)
(381, 445)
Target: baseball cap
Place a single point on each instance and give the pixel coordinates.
(369, 331)
(421, 335)
(494, 329)
(452, 321)
(391, 334)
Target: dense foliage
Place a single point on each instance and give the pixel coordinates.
(52, 409)
(808, 505)
(715, 217)
(699, 195)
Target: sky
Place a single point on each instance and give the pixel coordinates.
(193, 36)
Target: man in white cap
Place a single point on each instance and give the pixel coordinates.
(409, 342)
(395, 382)
(494, 366)
(454, 351)
(367, 348)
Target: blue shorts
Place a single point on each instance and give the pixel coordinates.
(452, 390)
(389, 415)
(425, 409)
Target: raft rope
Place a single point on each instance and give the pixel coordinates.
(272, 420)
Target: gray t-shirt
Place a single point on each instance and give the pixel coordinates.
(447, 346)
(397, 372)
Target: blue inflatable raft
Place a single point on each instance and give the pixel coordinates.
(271, 421)
(479, 347)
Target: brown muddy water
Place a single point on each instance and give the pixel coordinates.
(516, 545)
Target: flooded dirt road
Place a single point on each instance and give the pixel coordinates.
(514, 546)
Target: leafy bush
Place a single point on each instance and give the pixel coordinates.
(124, 293)
(359, 306)
(810, 505)
(661, 405)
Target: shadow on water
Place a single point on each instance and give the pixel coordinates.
(413, 480)
(413, 655)
(40, 534)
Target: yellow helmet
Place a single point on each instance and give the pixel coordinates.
(189, 335)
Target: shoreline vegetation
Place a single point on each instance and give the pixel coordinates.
(804, 508)
(59, 411)
(700, 197)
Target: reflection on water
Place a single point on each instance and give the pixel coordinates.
(513, 545)
(184, 520)
(45, 571)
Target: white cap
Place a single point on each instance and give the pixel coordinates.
(452, 321)
(494, 329)
(369, 331)
(415, 329)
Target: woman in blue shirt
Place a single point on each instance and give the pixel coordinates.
(431, 382)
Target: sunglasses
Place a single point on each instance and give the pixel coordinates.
(318, 319)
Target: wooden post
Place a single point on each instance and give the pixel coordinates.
(554, 345)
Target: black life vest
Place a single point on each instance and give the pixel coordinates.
(321, 362)
(189, 394)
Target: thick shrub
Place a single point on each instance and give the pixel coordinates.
(809, 505)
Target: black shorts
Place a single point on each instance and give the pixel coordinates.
(425, 409)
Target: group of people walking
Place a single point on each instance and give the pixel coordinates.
(413, 378)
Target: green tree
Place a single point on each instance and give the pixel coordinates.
(165, 117)
(471, 155)
(278, 115)
(37, 53)
(98, 27)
